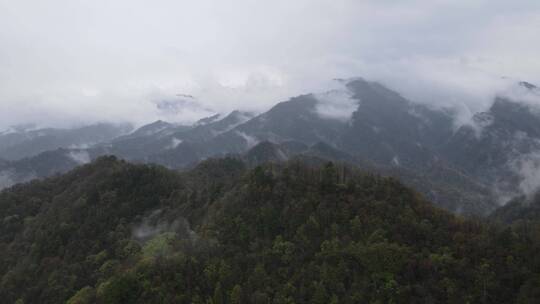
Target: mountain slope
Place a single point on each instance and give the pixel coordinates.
(42, 165)
(519, 210)
(171, 145)
(383, 126)
(112, 232)
(498, 145)
(21, 143)
(386, 127)
(470, 170)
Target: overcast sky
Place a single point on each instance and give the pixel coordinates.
(78, 61)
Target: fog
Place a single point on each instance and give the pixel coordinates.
(68, 62)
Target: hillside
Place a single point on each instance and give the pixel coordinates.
(113, 232)
(470, 168)
(519, 210)
(21, 142)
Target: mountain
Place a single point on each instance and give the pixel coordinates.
(381, 129)
(266, 152)
(186, 147)
(517, 210)
(470, 170)
(203, 132)
(146, 140)
(524, 209)
(167, 143)
(156, 128)
(113, 232)
(447, 187)
(499, 143)
(19, 143)
(295, 119)
(159, 142)
(383, 125)
(42, 165)
(386, 133)
(388, 128)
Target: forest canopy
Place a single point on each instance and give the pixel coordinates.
(225, 232)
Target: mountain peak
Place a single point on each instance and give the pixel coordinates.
(208, 120)
(152, 128)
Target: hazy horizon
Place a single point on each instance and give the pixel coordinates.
(76, 62)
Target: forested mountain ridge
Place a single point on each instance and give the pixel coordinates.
(283, 232)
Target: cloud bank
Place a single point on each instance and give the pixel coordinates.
(65, 62)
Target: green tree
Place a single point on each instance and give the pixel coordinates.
(85, 295)
(218, 295)
(236, 295)
(320, 295)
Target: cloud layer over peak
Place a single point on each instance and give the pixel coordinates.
(65, 62)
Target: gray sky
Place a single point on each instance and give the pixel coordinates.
(76, 61)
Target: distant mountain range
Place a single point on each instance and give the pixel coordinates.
(24, 141)
(471, 169)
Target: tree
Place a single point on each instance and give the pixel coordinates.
(236, 295)
(218, 295)
(320, 296)
(85, 295)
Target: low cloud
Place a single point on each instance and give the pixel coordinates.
(81, 157)
(9, 177)
(65, 62)
(528, 169)
(155, 224)
(175, 142)
(525, 93)
(6, 179)
(251, 141)
(336, 104)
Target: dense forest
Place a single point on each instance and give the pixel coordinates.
(224, 232)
